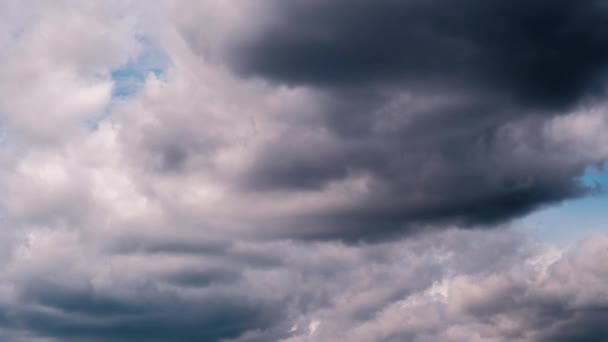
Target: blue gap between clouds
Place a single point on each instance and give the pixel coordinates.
(575, 219)
(130, 78)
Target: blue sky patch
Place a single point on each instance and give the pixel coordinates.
(130, 78)
(575, 219)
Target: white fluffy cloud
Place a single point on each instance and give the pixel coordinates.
(55, 64)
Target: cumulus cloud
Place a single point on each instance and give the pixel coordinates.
(55, 65)
(432, 111)
(297, 170)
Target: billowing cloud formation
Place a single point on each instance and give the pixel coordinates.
(437, 112)
(543, 53)
(243, 186)
(450, 286)
(349, 154)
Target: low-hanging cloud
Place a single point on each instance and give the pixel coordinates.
(448, 286)
(439, 112)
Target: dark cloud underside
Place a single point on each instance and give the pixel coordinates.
(441, 105)
(544, 53)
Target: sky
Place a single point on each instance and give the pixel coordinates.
(303, 170)
(554, 224)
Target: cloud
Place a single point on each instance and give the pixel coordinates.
(426, 113)
(451, 286)
(60, 56)
(543, 53)
(296, 171)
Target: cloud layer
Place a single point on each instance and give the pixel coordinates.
(297, 170)
(436, 112)
(449, 286)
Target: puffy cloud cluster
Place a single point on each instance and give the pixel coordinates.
(246, 186)
(435, 113)
(450, 286)
(55, 63)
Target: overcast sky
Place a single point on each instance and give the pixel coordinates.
(303, 170)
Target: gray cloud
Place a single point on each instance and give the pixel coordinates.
(451, 286)
(290, 176)
(440, 108)
(544, 53)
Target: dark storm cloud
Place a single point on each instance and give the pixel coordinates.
(453, 163)
(156, 311)
(584, 325)
(541, 52)
(220, 320)
(496, 284)
(441, 105)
